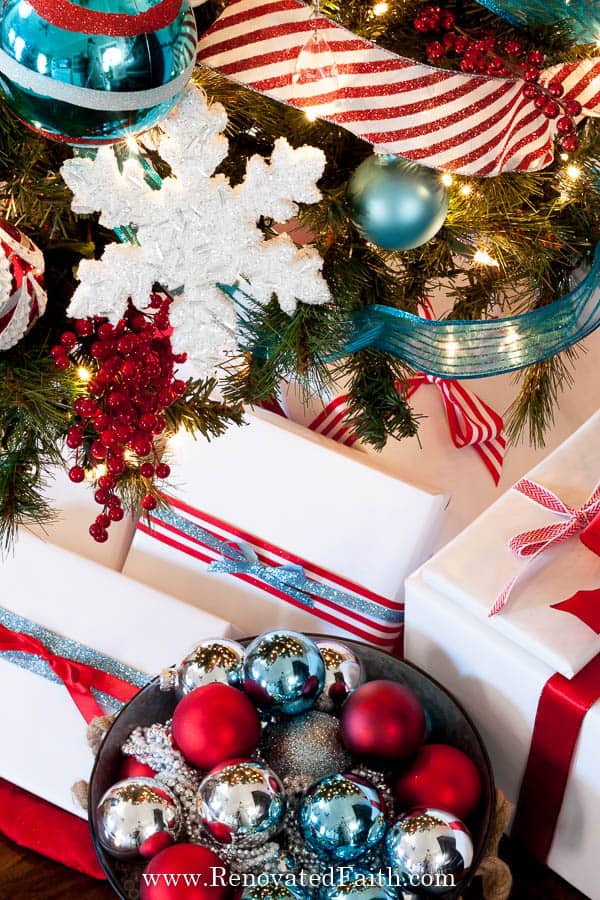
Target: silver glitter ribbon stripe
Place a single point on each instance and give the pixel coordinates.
(285, 578)
(69, 649)
(110, 101)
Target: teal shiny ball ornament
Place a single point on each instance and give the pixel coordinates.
(92, 72)
(283, 672)
(342, 817)
(397, 204)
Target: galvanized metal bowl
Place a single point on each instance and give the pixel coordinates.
(448, 723)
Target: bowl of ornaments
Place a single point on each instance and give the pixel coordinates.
(291, 767)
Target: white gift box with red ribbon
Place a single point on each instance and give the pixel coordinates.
(272, 525)
(530, 674)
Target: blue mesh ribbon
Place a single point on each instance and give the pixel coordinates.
(456, 348)
(582, 15)
(69, 649)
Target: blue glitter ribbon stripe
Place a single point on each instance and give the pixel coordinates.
(68, 649)
(239, 558)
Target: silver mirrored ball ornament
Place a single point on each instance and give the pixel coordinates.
(429, 850)
(137, 817)
(241, 803)
(343, 674)
(215, 659)
(342, 817)
(283, 672)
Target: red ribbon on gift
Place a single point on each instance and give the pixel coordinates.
(332, 422)
(78, 678)
(530, 544)
(472, 422)
(561, 712)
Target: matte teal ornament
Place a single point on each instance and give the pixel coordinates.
(91, 72)
(397, 204)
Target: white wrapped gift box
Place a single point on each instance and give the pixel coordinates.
(295, 498)
(43, 744)
(500, 666)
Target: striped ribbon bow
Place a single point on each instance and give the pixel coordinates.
(530, 544)
(472, 422)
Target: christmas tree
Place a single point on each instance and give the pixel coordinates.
(168, 241)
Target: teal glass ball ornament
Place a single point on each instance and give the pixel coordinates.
(92, 72)
(397, 204)
(342, 817)
(283, 672)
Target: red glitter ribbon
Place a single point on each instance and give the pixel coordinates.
(70, 17)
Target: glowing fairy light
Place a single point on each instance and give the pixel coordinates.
(483, 258)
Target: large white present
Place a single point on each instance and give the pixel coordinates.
(56, 607)
(530, 675)
(323, 538)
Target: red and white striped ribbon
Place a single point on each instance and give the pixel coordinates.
(472, 124)
(530, 544)
(365, 615)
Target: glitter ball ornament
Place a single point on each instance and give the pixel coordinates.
(137, 817)
(210, 661)
(184, 858)
(358, 884)
(343, 673)
(397, 204)
(22, 294)
(442, 777)
(309, 744)
(429, 849)
(95, 74)
(215, 723)
(383, 720)
(241, 803)
(342, 817)
(283, 672)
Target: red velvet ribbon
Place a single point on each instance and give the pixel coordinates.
(78, 678)
(561, 711)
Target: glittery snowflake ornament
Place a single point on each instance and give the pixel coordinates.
(197, 231)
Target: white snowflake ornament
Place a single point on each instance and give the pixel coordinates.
(197, 231)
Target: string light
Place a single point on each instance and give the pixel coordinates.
(447, 179)
(97, 472)
(466, 189)
(380, 9)
(84, 374)
(573, 172)
(310, 115)
(564, 156)
(483, 258)
(132, 144)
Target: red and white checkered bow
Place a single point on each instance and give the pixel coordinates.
(530, 544)
(471, 421)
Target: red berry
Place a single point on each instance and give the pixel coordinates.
(100, 535)
(161, 424)
(147, 470)
(62, 363)
(109, 438)
(447, 19)
(163, 470)
(514, 47)
(76, 474)
(116, 465)
(138, 322)
(565, 125)
(551, 109)
(105, 332)
(570, 143)
(141, 446)
(148, 421)
(130, 369)
(179, 386)
(180, 357)
(101, 496)
(74, 437)
(106, 483)
(540, 101)
(149, 502)
(84, 327)
(94, 529)
(573, 107)
(461, 43)
(116, 399)
(125, 345)
(98, 450)
(57, 351)
(99, 350)
(448, 41)
(101, 421)
(531, 91)
(89, 407)
(122, 432)
(115, 513)
(556, 89)
(114, 501)
(467, 64)
(68, 339)
(531, 74)
(95, 388)
(103, 520)
(535, 58)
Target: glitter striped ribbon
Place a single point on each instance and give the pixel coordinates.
(222, 547)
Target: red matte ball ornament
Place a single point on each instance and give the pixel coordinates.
(383, 720)
(441, 777)
(202, 866)
(215, 723)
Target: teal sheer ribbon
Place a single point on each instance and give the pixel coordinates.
(69, 649)
(239, 558)
(456, 348)
(582, 15)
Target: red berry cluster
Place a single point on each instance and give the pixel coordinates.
(487, 55)
(133, 383)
